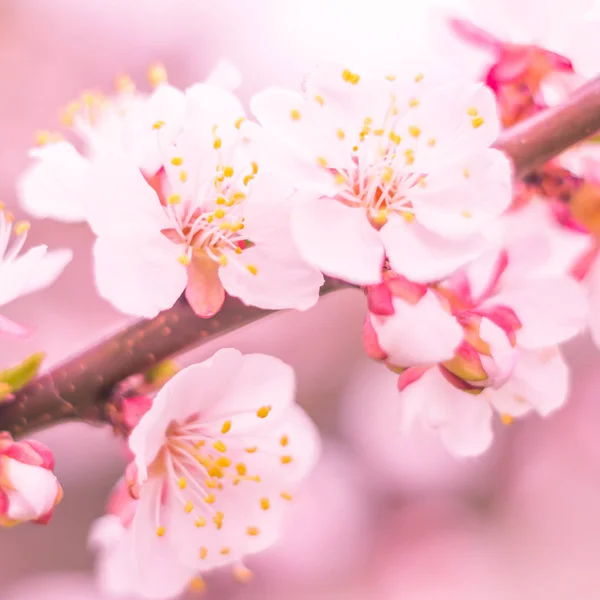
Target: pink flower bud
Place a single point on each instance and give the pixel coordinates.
(133, 409)
(409, 376)
(29, 490)
(403, 288)
(466, 364)
(371, 342)
(379, 300)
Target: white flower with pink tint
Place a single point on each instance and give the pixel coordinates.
(508, 358)
(218, 458)
(214, 219)
(55, 185)
(397, 168)
(21, 274)
(29, 491)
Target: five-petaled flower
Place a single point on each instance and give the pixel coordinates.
(218, 458)
(21, 274)
(29, 491)
(506, 358)
(213, 219)
(397, 167)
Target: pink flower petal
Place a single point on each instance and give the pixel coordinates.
(423, 256)
(550, 310)
(540, 382)
(54, 186)
(466, 196)
(419, 334)
(119, 201)
(338, 240)
(139, 276)
(462, 420)
(204, 290)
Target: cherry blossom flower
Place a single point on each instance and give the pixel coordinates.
(217, 459)
(397, 167)
(21, 274)
(55, 185)
(29, 491)
(213, 220)
(508, 358)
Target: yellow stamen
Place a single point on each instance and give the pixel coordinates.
(390, 77)
(217, 143)
(506, 419)
(253, 269)
(200, 522)
(254, 166)
(189, 507)
(223, 461)
(285, 440)
(22, 227)
(239, 121)
(472, 111)
(158, 124)
(197, 583)
(263, 411)
(431, 142)
(247, 179)
(253, 530)
(219, 213)
(286, 459)
(419, 77)
(320, 99)
(177, 161)
(340, 179)
(395, 138)
(241, 469)
(182, 483)
(264, 503)
(322, 162)
(252, 449)
(219, 446)
(210, 499)
(295, 114)
(174, 199)
(184, 259)
(286, 496)
(160, 531)
(340, 133)
(242, 574)
(477, 122)
(228, 171)
(183, 176)
(224, 550)
(414, 131)
(413, 102)
(203, 552)
(218, 519)
(226, 426)
(408, 217)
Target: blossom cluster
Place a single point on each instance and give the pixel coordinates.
(389, 182)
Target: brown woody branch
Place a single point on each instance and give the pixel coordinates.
(80, 388)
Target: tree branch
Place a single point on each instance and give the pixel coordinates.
(535, 141)
(80, 388)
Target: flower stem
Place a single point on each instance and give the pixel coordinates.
(81, 388)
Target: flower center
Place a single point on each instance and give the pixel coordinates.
(204, 469)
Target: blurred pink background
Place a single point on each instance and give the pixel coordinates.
(383, 518)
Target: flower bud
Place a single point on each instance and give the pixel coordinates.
(29, 490)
